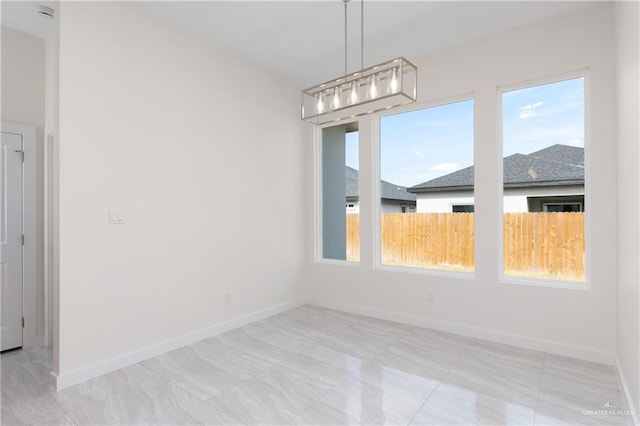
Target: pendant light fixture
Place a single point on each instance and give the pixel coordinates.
(383, 86)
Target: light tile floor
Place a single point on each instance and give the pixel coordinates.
(318, 366)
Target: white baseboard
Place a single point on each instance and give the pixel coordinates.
(627, 395)
(53, 380)
(479, 333)
(80, 375)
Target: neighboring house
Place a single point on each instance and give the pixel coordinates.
(395, 198)
(548, 180)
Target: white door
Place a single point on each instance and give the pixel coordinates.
(11, 240)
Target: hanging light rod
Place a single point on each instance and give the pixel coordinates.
(383, 86)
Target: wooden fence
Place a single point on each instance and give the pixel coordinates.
(538, 245)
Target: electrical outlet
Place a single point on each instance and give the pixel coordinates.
(429, 296)
(116, 217)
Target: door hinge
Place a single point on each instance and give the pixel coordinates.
(22, 239)
(22, 322)
(21, 151)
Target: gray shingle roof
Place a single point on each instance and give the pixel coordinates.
(562, 154)
(554, 165)
(388, 191)
(352, 184)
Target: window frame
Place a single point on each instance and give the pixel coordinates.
(453, 206)
(545, 205)
(374, 128)
(585, 285)
(318, 246)
(377, 211)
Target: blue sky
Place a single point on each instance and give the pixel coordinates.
(421, 145)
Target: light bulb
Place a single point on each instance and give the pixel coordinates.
(373, 89)
(393, 85)
(336, 98)
(353, 96)
(320, 104)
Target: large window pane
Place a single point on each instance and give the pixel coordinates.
(340, 193)
(427, 188)
(544, 181)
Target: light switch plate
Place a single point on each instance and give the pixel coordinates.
(116, 217)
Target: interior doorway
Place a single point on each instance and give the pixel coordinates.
(18, 236)
(11, 240)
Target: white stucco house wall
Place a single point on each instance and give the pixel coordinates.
(551, 179)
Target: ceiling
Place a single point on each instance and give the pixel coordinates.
(24, 16)
(303, 41)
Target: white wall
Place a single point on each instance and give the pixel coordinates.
(395, 207)
(23, 82)
(515, 199)
(441, 202)
(626, 25)
(177, 136)
(569, 321)
(385, 207)
(51, 189)
(515, 204)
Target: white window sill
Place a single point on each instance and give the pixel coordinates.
(535, 282)
(426, 271)
(338, 262)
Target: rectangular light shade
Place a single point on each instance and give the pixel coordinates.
(383, 86)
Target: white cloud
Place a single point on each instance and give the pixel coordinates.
(418, 153)
(446, 167)
(529, 110)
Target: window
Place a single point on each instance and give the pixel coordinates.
(544, 181)
(340, 188)
(426, 166)
(462, 208)
(562, 207)
(537, 204)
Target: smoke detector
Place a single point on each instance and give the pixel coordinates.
(46, 11)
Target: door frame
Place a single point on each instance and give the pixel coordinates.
(29, 229)
(50, 234)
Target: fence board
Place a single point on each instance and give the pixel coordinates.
(539, 245)
(353, 237)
